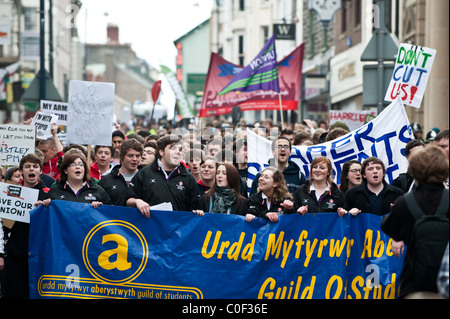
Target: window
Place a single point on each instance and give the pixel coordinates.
(241, 5)
(344, 17)
(31, 18)
(241, 50)
(357, 7)
(265, 32)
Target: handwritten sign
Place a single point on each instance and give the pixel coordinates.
(43, 123)
(410, 76)
(59, 108)
(16, 141)
(91, 108)
(17, 202)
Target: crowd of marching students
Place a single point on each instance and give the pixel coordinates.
(206, 172)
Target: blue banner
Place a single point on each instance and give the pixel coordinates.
(77, 251)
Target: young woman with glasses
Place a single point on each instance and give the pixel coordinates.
(75, 184)
(350, 175)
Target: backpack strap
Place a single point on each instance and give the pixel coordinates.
(415, 210)
(443, 204)
(412, 205)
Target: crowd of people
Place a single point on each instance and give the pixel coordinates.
(205, 171)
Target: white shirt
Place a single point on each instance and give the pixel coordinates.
(312, 188)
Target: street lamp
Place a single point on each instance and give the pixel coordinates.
(325, 10)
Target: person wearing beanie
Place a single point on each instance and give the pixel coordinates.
(338, 124)
(13, 175)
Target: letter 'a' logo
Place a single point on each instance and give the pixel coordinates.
(115, 251)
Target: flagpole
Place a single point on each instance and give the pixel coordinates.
(281, 111)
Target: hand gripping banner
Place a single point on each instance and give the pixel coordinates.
(77, 251)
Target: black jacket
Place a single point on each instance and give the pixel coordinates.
(88, 193)
(358, 197)
(17, 244)
(403, 181)
(333, 199)
(150, 185)
(116, 186)
(257, 206)
(239, 206)
(399, 226)
(292, 174)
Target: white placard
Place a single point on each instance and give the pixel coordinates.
(59, 108)
(91, 108)
(16, 141)
(43, 124)
(410, 76)
(353, 119)
(16, 202)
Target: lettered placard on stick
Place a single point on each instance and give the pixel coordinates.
(43, 123)
(410, 76)
(91, 108)
(59, 108)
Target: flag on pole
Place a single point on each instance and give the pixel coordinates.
(260, 74)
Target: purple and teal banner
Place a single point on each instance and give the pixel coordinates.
(260, 74)
(77, 251)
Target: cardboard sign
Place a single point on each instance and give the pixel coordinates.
(15, 141)
(43, 123)
(16, 202)
(410, 76)
(59, 108)
(91, 108)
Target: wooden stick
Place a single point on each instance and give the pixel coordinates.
(281, 111)
(88, 159)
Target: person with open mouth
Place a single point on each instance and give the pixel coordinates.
(374, 195)
(16, 261)
(75, 184)
(350, 175)
(273, 198)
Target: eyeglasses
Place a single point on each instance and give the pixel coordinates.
(149, 152)
(355, 171)
(281, 147)
(75, 164)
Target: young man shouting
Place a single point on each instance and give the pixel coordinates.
(165, 180)
(16, 263)
(374, 195)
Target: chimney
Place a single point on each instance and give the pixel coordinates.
(109, 66)
(112, 33)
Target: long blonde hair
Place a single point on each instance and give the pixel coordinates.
(280, 192)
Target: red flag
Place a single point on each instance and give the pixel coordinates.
(156, 89)
(222, 71)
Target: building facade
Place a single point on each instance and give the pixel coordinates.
(63, 56)
(332, 69)
(193, 54)
(239, 29)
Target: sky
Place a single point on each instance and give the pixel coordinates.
(150, 26)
